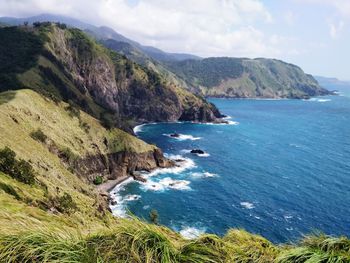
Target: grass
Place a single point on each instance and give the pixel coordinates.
(134, 241)
(25, 111)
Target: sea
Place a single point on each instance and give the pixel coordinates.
(279, 168)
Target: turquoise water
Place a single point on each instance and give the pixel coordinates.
(282, 171)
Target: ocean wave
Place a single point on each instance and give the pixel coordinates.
(203, 175)
(318, 100)
(138, 128)
(119, 208)
(192, 232)
(184, 164)
(228, 123)
(247, 205)
(165, 184)
(183, 137)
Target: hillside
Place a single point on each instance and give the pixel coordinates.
(68, 150)
(100, 33)
(246, 78)
(66, 64)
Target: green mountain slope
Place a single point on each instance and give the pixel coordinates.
(68, 150)
(246, 78)
(66, 64)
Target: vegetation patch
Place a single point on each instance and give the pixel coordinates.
(39, 135)
(20, 170)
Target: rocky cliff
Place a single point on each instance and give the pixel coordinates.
(69, 65)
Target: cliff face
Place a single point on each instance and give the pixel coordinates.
(73, 67)
(246, 78)
(119, 165)
(124, 87)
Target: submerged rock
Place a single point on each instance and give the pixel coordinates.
(175, 135)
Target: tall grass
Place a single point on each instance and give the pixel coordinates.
(318, 249)
(134, 241)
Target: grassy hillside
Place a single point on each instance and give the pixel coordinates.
(247, 78)
(68, 135)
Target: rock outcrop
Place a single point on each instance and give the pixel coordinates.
(121, 164)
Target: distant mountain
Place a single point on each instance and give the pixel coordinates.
(101, 33)
(212, 77)
(246, 78)
(332, 82)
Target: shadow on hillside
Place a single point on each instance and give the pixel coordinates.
(7, 96)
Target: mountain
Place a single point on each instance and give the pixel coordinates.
(65, 64)
(101, 33)
(332, 82)
(210, 77)
(246, 78)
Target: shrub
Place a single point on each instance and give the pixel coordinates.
(154, 216)
(39, 135)
(8, 189)
(20, 170)
(66, 204)
(98, 180)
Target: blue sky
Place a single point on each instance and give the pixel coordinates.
(313, 34)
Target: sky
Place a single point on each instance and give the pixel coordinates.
(313, 34)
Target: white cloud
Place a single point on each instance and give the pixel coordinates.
(203, 27)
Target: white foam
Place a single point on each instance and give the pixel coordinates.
(119, 209)
(318, 100)
(228, 123)
(165, 184)
(138, 128)
(247, 205)
(203, 175)
(192, 232)
(183, 137)
(185, 164)
(227, 117)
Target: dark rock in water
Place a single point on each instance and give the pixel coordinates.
(113, 202)
(179, 160)
(138, 177)
(197, 151)
(175, 135)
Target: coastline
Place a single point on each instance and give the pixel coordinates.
(108, 186)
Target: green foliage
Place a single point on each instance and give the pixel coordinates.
(20, 170)
(66, 203)
(19, 50)
(208, 72)
(153, 215)
(135, 241)
(38, 135)
(318, 249)
(98, 180)
(10, 190)
(63, 203)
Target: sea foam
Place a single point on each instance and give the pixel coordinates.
(183, 137)
(192, 232)
(165, 184)
(247, 205)
(119, 209)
